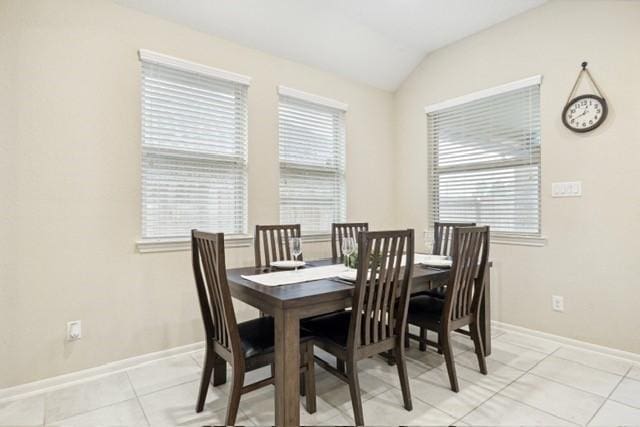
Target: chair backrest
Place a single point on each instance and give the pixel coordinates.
(464, 290)
(442, 235)
(271, 243)
(381, 294)
(341, 230)
(207, 255)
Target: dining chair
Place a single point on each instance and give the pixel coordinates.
(271, 243)
(377, 321)
(461, 306)
(442, 235)
(340, 230)
(246, 346)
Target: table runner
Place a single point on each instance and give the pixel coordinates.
(288, 277)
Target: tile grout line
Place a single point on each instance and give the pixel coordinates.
(522, 403)
(523, 373)
(608, 397)
(122, 400)
(478, 385)
(571, 348)
(144, 413)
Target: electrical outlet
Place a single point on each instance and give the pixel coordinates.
(74, 330)
(557, 303)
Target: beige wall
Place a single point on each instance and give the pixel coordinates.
(70, 177)
(593, 253)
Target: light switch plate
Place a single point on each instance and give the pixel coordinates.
(566, 189)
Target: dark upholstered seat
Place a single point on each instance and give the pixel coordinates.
(256, 336)
(334, 327)
(425, 310)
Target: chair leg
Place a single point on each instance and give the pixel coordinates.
(234, 396)
(474, 329)
(407, 339)
(340, 365)
(310, 380)
(354, 390)
(207, 370)
(390, 358)
(440, 341)
(423, 337)
(447, 349)
(219, 370)
(404, 377)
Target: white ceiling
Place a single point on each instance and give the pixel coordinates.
(378, 42)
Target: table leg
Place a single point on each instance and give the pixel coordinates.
(219, 370)
(287, 369)
(485, 314)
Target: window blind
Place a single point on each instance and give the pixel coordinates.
(312, 164)
(485, 161)
(194, 151)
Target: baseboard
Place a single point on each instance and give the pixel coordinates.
(53, 383)
(582, 345)
(49, 384)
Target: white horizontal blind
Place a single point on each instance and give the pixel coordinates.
(194, 153)
(312, 164)
(485, 162)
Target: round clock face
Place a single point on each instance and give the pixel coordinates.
(584, 113)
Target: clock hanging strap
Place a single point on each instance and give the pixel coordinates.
(575, 85)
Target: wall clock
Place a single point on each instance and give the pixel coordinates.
(586, 112)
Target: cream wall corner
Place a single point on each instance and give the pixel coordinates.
(592, 253)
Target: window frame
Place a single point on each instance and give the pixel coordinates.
(501, 237)
(157, 244)
(339, 171)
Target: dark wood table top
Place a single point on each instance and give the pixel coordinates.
(300, 294)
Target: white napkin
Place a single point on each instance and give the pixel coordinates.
(303, 275)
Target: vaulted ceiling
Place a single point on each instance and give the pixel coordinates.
(378, 42)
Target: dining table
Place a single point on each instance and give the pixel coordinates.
(290, 303)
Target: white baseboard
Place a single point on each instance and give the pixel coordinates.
(612, 352)
(49, 384)
(53, 383)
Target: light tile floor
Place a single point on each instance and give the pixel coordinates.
(531, 381)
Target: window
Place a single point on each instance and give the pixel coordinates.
(194, 148)
(312, 161)
(484, 154)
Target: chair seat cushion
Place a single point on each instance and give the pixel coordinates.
(256, 336)
(334, 327)
(424, 310)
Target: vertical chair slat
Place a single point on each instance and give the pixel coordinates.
(339, 231)
(275, 243)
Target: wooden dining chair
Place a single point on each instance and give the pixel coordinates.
(271, 243)
(442, 235)
(340, 230)
(246, 346)
(377, 320)
(461, 306)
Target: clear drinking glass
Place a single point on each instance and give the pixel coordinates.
(295, 244)
(348, 247)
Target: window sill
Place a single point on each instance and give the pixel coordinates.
(321, 237)
(537, 241)
(184, 244)
(232, 241)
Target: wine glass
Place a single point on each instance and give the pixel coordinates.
(296, 249)
(348, 247)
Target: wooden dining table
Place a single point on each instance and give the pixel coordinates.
(290, 303)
